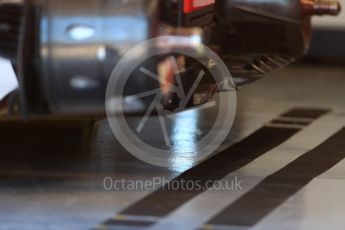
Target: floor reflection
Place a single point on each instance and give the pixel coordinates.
(184, 139)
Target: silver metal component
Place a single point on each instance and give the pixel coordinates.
(320, 7)
(80, 43)
(81, 32)
(191, 38)
(83, 83)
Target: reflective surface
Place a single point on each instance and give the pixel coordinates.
(47, 181)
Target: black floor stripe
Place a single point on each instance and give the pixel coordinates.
(163, 201)
(304, 113)
(280, 186)
(128, 223)
(282, 122)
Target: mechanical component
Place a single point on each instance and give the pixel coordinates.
(64, 51)
(257, 37)
(11, 22)
(78, 46)
(321, 7)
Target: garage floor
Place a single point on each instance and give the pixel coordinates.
(284, 158)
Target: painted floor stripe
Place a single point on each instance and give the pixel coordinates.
(203, 207)
(304, 113)
(277, 188)
(128, 223)
(163, 201)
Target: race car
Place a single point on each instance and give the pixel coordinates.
(65, 51)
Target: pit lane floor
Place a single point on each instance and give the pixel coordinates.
(286, 151)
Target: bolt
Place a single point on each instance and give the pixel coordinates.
(320, 7)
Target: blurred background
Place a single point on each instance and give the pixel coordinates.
(328, 38)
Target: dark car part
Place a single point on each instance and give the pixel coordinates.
(257, 37)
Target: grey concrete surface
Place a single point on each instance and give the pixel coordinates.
(49, 185)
